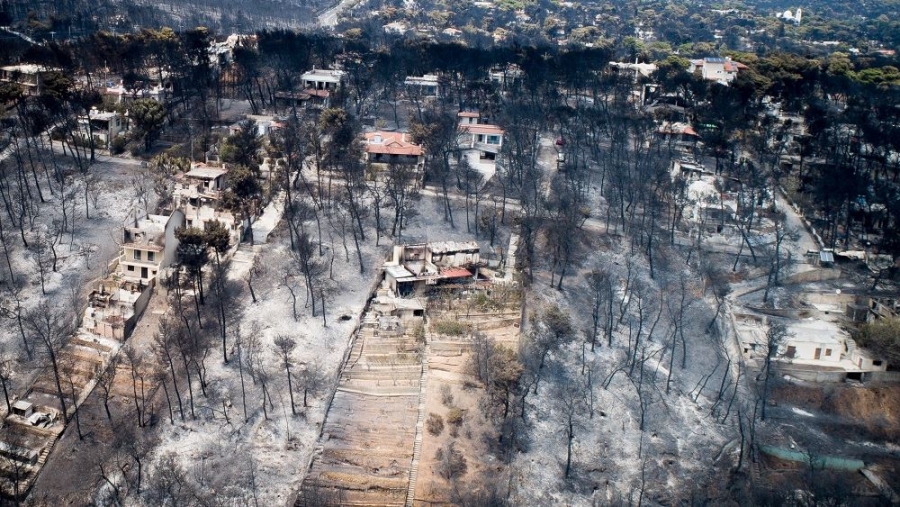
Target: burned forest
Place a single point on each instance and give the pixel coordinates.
(401, 254)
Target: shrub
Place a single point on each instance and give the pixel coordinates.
(117, 146)
(456, 416)
(451, 327)
(434, 424)
(446, 396)
(451, 462)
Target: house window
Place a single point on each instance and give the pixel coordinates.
(827, 352)
(876, 363)
(130, 268)
(791, 351)
(493, 140)
(151, 256)
(137, 255)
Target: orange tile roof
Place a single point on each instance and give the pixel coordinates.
(481, 129)
(455, 273)
(677, 128)
(391, 143)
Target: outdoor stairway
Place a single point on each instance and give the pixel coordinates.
(755, 470)
(352, 359)
(420, 425)
(42, 458)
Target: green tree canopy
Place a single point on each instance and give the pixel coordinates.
(882, 337)
(192, 248)
(242, 147)
(148, 116)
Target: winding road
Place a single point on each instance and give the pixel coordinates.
(329, 17)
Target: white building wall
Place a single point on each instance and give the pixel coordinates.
(806, 351)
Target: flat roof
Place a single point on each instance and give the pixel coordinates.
(427, 79)
(205, 173)
(103, 115)
(27, 68)
(453, 246)
(325, 75)
(815, 331)
(152, 247)
(398, 272)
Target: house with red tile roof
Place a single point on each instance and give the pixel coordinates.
(678, 134)
(388, 147)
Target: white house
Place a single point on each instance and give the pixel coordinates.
(149, 246)
(644, 69)
(423, 86)
(720, 70)
(322, 79)
(102, 125)
(810, 344)
(29, 77)
(487, 139)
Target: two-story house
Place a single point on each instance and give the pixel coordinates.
(102, 125)
(29, 77)
(487, 139)
(149, 246)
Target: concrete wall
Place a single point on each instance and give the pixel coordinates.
(108, 330)
(829, 298)
(176, 220)
(810, 375)
(881, 376)
(815, 275)
(139, 306)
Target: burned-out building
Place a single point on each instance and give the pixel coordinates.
(429, 264)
